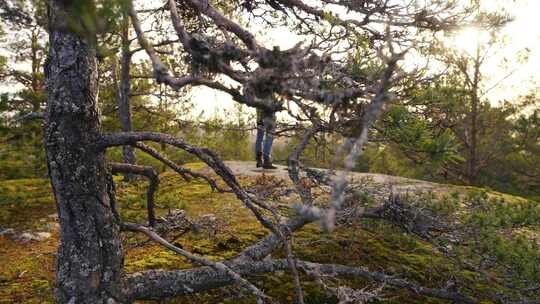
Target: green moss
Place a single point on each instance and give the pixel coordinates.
(26, 274)
(374, 245)
(25, 203)
(154, 258)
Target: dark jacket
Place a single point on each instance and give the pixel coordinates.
(266, 118)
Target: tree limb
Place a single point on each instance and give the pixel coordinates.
(152, 176)
(155, 284)
(217, 266)
(184, 172)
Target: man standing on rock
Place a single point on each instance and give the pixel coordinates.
(266, 125)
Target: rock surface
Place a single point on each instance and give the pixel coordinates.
(25, 237)
(395, 184)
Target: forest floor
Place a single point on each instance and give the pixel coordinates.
(29, 238)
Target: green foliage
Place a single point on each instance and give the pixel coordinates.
(227, 133)
(497, 213)
(491, 232)
(21, 152)
(90, 18)
(24, 157)
(23, 202)
(496, 223)
(387, 160)
(427, 138)
(430, 146)
(520, 170)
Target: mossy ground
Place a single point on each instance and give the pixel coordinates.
(27, 269)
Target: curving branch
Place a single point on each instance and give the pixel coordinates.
(382, 12)
(293, 163)
(204, 154)
(162, 75)
(184, 172)
(207, 9)
(359, 272)
(160, 71)
(212, 160)
(152, 176)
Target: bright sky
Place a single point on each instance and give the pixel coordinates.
(522, 33)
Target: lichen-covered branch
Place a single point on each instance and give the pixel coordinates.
(155, 285)
(217, 266)
(293, 162)
(373, 111)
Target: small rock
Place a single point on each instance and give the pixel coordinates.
(25, 237)
(209, 217)
(7, 231)
(41, 236)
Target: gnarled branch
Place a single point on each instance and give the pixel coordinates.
(152, 176)
(157, 285)
(184, 172)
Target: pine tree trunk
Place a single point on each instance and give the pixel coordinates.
(472, 168)
(90, 258)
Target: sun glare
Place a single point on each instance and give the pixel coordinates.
(469, 39)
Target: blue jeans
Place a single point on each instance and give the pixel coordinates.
(264, 140)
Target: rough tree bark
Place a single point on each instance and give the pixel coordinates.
(90, 258)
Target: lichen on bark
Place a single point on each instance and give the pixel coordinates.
(90, 258)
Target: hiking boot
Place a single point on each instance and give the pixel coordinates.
(259, 160)
(268, 164)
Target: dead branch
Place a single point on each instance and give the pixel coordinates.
(152, 176)
(217, 266)
(184, 172)
(335, 269)
(155, 285)
(205, 155)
